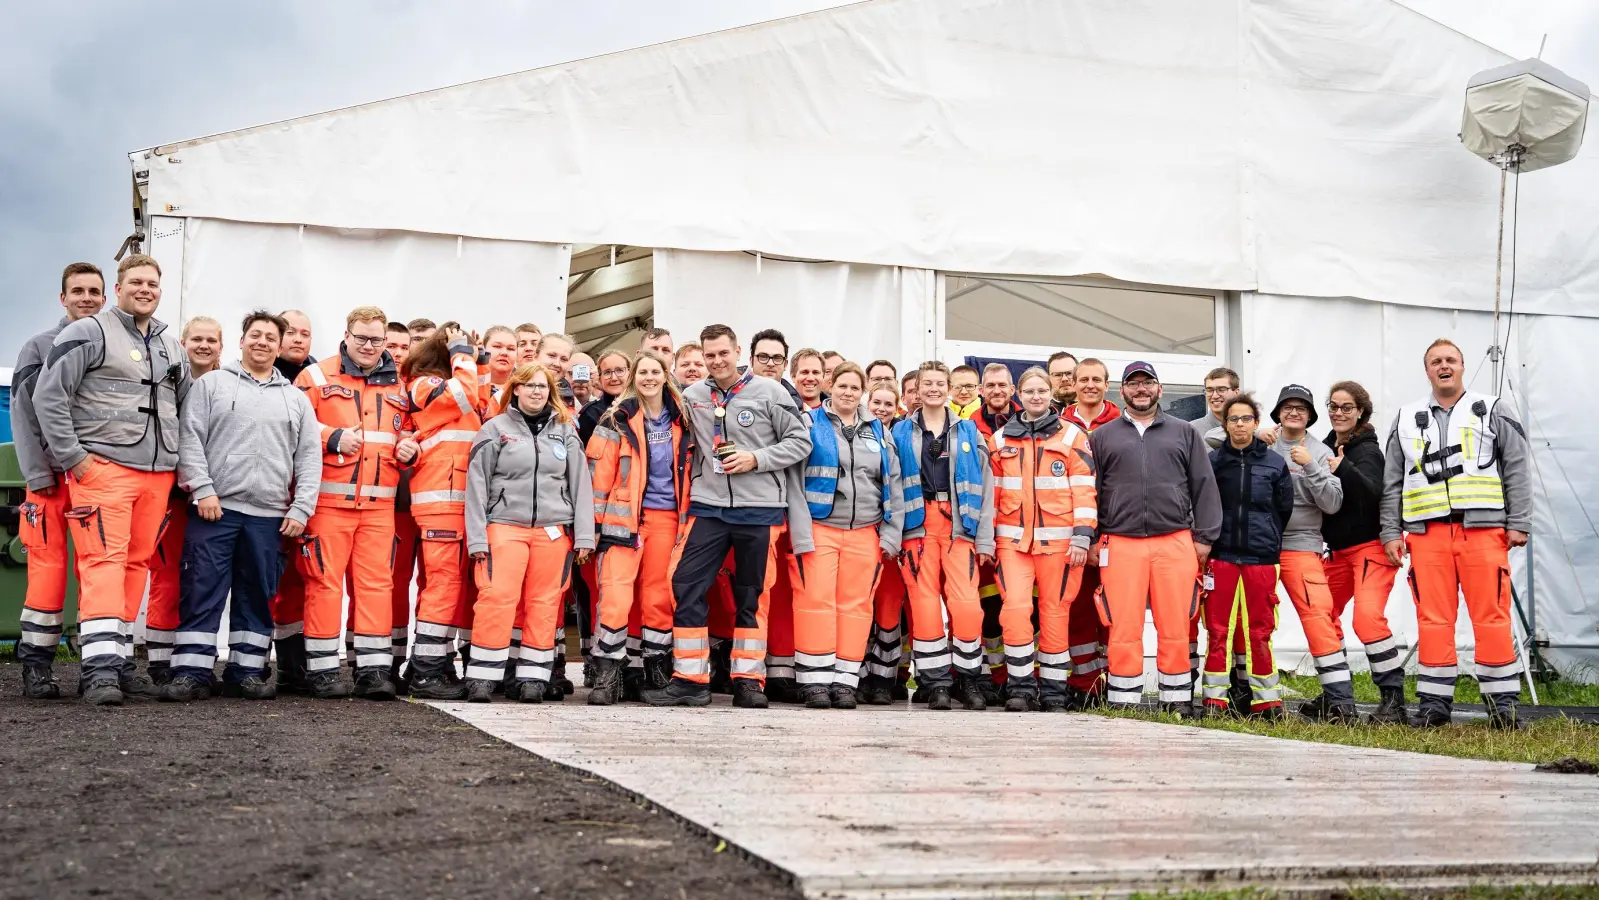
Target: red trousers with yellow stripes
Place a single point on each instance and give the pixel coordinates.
(1240, 618)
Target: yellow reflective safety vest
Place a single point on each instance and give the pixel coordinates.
(1451, 471)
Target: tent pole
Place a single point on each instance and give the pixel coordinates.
(1497, 353)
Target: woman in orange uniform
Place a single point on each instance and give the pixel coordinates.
(853, 491)
(887, 668)
(640, 454)
(529, 517)
(442, 372)
(1045, 516)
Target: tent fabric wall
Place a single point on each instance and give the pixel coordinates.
(230, 268)
(858, 310)
(1381, 345)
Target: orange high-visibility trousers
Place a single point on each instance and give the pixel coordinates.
(834, 589)
(890, 607)
(361, 542)
(1057, 582)
(1087, 634)
(520, 583)
(1363, 573)
(114, 522)
(161, 612)
(1444, 562)
(1160, 574)
(637, 581)
(43, 531)
(1306, 583)
(444, 573)
(941, 572)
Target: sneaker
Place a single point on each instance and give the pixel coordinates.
(1391, 710)
(843, 697)
(136, 685)
(680, 692)
(39, 683)
(816, 696)
(250, 687)
(102, 693)
(431, 687)
(876, 692)
(374, 686)
(1020, 703)
(479, 691)
(329, 686)
(969, 692)
(747, 694)
(185, 689)
(937, 698)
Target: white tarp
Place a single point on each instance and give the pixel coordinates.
(230, 268)
(1550, 359)
(806, 301)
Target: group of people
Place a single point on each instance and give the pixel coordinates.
(771, 526)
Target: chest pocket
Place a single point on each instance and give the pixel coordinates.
(1053, 485)
(1008, 468)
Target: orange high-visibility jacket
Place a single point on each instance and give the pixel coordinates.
(376, 406)
(619, 459)
(445, 412)
(1044, 498)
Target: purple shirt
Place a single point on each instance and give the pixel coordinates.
(658, 493)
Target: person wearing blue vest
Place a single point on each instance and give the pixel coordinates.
(949, 530)
(856, 502)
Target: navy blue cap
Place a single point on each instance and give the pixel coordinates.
(1133, 368)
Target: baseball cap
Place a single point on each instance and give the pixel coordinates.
(1295, 392)
(580, 372)
(1134, 368)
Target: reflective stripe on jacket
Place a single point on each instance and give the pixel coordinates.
(619, 464)
(445, 413)
(971, 477)
(374, 405)
(1457, 469)
(1044, 498)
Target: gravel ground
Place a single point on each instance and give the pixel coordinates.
(338, 799)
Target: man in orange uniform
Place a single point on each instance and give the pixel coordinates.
(43, 524)
(1457, 493)
(365, 418)
(1159, 512)
(202, 344)
(108, 409)
(1087, 634)
(407, 539)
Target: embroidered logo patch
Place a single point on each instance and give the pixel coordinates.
(441, 534)
(1058, 468)
(746, 418)
(1009, 452)
(337, 390)
(560, 452)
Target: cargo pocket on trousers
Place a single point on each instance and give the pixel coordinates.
(310, 562)
(1102, 606)
(1199, 591)
(87, 528)
(33, 529)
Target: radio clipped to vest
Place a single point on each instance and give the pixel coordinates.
(1451, 469)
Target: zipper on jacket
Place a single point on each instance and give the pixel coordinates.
(1241, 527)
(1036, 448)
(852, 481)
(533, 521)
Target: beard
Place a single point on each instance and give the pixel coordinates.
(1142, 406)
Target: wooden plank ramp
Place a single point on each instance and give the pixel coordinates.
(898, 802)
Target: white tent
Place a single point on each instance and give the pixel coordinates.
(1276, 185)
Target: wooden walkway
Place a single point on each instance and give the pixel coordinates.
(903, 803)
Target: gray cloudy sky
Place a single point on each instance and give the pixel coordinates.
(89, 81)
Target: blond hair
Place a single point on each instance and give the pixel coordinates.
(525, 374)
(199, 320)
(848, 368)
(365, 314)
(1032, 372)
(668, 385)
(135, 261)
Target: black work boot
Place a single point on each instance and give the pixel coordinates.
(1239, 696)
(1054, 702)
(402, 680)
(533, 691)
(1431, 712)
(553, 690)
(938, 698)
(132, 684)
(558, 679)
(1502, 712)
(160, 673)
(985, 684)
(783, 690)
(479, 690)
(657, 671)
(843, 696)
(329, 686)
(680, 692)
(1020, 703)
(374, 685)
(434, 686)
(747, 694)
(607, 681)
(292, 677)
(969, 692)
(250, 687)
(1314, 709)
(1391, 709)
(636, 681)
(102, 692)
(1180, 710)
(816, 696)
(722, 667)
(185, 689)
(876, 691)
(39, 682)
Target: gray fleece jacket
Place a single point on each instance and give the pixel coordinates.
(858, 501)
(517, 478)
(253, 445)
(1317, 491)
(39, 466)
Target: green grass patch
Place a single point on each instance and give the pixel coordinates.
(1479, 892)
(1559, 692)
(1544, 740)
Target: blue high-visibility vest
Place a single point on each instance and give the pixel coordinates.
(967, 472)
(822, 469)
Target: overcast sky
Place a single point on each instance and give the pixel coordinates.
(89, 81)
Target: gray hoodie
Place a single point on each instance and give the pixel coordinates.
(253, 445)
(516, 478)
(858, 501)
(1316, 491)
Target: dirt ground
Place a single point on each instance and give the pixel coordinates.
(338, 799)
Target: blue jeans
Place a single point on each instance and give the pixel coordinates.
(238, 553)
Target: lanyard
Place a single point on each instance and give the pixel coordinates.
(721, 399)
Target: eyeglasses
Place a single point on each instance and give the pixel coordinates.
(1295, 409)
(364, 341)
(770, 359)
(1341, 407)
(964, 387)
(1240, 420)
(1218, 391)
(614, 373)
(1140, 385)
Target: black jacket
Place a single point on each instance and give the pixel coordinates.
(1257, 497)
(1156, 483)
(588, 418)
(1358, 520)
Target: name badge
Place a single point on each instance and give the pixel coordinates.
(1104, 555)
(554, 531)
(560, 451)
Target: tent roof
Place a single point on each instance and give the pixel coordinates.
(1286, 146)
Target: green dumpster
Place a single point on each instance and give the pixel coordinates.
(14, 557)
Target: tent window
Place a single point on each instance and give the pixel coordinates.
(1054, 314)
